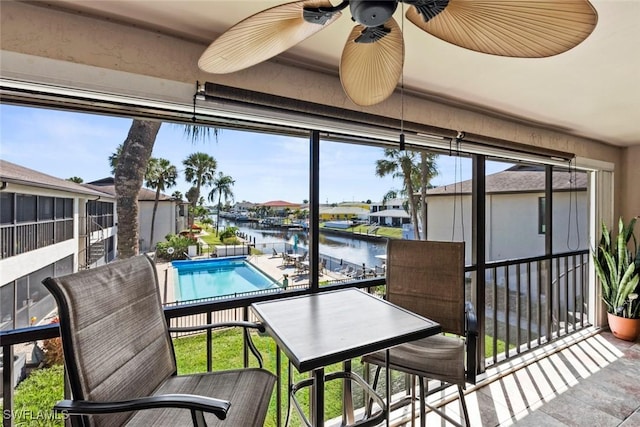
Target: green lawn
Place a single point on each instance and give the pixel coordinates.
(38, 393)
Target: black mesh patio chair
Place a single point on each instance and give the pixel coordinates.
(120, 362)
(427, 278)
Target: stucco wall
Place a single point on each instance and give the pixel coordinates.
(630, 183)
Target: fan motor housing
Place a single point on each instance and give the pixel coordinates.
(372, 13)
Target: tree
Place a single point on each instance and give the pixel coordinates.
(222, 188)
(428, 171)
(402, 164)
(199, 171)
(177, 195)
(113, 158)
(129, 174)
(76, 179)
(132, 159)
(160, 175)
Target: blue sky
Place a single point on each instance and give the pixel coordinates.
(265, 167)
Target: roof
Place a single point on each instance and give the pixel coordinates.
(279, 204)
(107, 185)
(391, 213)
(13, 173)
(343, 210)
(518, 179)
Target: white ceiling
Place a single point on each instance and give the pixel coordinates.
(593, 90)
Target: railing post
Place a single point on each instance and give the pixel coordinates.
(7, 385)
(245, 347)
(209, 344)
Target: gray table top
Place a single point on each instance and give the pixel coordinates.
(330, 327)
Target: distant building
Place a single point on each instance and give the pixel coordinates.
(171, 214)
(279, 207)
(515, 206)
(48, 227)
(390, 214)
(346, 211)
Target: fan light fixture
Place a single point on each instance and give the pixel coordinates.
(373, 56)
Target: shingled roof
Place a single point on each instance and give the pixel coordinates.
(518, 179)
(16, 174)
(108, 186)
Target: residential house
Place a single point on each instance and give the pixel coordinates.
(171, 214)
(515, 206)
(48, 227)
(390, 213)
(346, 211)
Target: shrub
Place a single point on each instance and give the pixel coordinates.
(52, 347)
(179, 244)
(227, 233)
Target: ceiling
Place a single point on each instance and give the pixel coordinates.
(593, 90)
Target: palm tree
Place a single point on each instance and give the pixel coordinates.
(428, 171)
(76, 179)
(222, 187)
(177, 195)
(130, 169)
(131, 165)
(199, 170)
(401, 164)
(161, 175)
(113, 159)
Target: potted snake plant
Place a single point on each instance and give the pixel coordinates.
(617, 265)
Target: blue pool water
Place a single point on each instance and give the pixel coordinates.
(215, 277)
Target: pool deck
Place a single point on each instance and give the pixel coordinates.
(271, 265)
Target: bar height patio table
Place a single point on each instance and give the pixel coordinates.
(321, 329)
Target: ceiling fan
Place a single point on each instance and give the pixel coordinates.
(373, 56)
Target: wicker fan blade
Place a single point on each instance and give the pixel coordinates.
(261, 36)
(516, 28)
(369, 72)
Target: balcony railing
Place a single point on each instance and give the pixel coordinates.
(16, 239)
(529, 302)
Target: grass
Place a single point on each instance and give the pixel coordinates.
(227, 354)
(37, 394)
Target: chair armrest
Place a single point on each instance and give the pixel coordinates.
(185, 401)
(245, 325)
(471, 328)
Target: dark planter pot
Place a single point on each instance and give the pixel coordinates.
(624, 328)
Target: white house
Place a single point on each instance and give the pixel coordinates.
(515, 201)
(171, 214)
(48, 227)
(392, 213)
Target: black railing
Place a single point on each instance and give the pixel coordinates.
(529, 302)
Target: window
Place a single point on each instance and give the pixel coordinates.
(45, 208)
(6, 208)
(26, 208)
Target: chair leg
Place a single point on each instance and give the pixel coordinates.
(423, 409)
(376, 377)
(463, 404)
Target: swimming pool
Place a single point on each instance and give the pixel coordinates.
(216, 277)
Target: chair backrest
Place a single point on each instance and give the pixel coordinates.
(427, 277)
(114, 334)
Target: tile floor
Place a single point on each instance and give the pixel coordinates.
(592, 382)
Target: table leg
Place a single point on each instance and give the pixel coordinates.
(388, 386)
(317, 398)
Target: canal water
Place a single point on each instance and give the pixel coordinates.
(350, 249)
